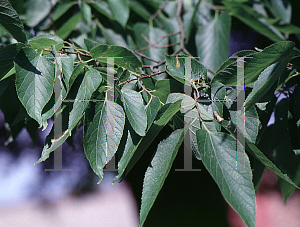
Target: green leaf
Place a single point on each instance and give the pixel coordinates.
(124, 58)
(266, 80)
(151, 109)
(7, 56)
(199, 71)
(10, 20)
(136, 145)
(86, 12)
(45, 42)
(139, 9)
(102, 7)
(254, 20)
(158, 171)
(3, 85)
(232, 59)
(37, 11)
(164, 87)
(34, 81)
(120, 11)
(218, 153)
(60, 9)
(190, 22)
(191, 118)
(89, 84)
(255, 64)
(67, 68)
(103, 129)
(90, 44)
(252, 149)
(281, 9)
(153, 35)
(287, 189)
(114, 37)
(56, 143)
(135, 110)
(287, 28)
(212, 41)
(65, 30)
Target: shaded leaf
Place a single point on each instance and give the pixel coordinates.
(89, 84)
(254, 20)
(60, 9)
(252, 149)
(136, 145)
(212, 41)
(218, 152)
(255, 64)
(10, 20)
(86, 12)
(7, 56)
(103, 129)
(158, 171)
(65, 30)
(199, 71)
(266, 80)
(34, 81)
(135, 110)
(120, 10)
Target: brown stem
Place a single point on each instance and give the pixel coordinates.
(157, 11)
(196, 104)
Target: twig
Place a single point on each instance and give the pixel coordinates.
(182, 47)
(212, 6)
(196, 104)
(144, 87)
(144, 56)
(139, 78)
(157, 12)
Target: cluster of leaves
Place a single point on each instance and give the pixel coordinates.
(150, 42)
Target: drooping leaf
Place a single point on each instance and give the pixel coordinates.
(255, 64)
(120, 10)
(65, 30)
(60, 9)
(135, 110)
(253, 19)
(124, 58)
(34, 81)
(218, 152)
(7, 56)
(190, 21)
(136, 145)
(67, 68)
(164, 87)
(152, 109)
(10, 21)
(153, 36)
(250, 147)
(191, 118)
(281, 9)
(86, 12)
(267, 78)
(199, 71)
(103, 8)
(103, 129)
(89, 84)
(158, 171)
(37, 11)
(212, 41)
